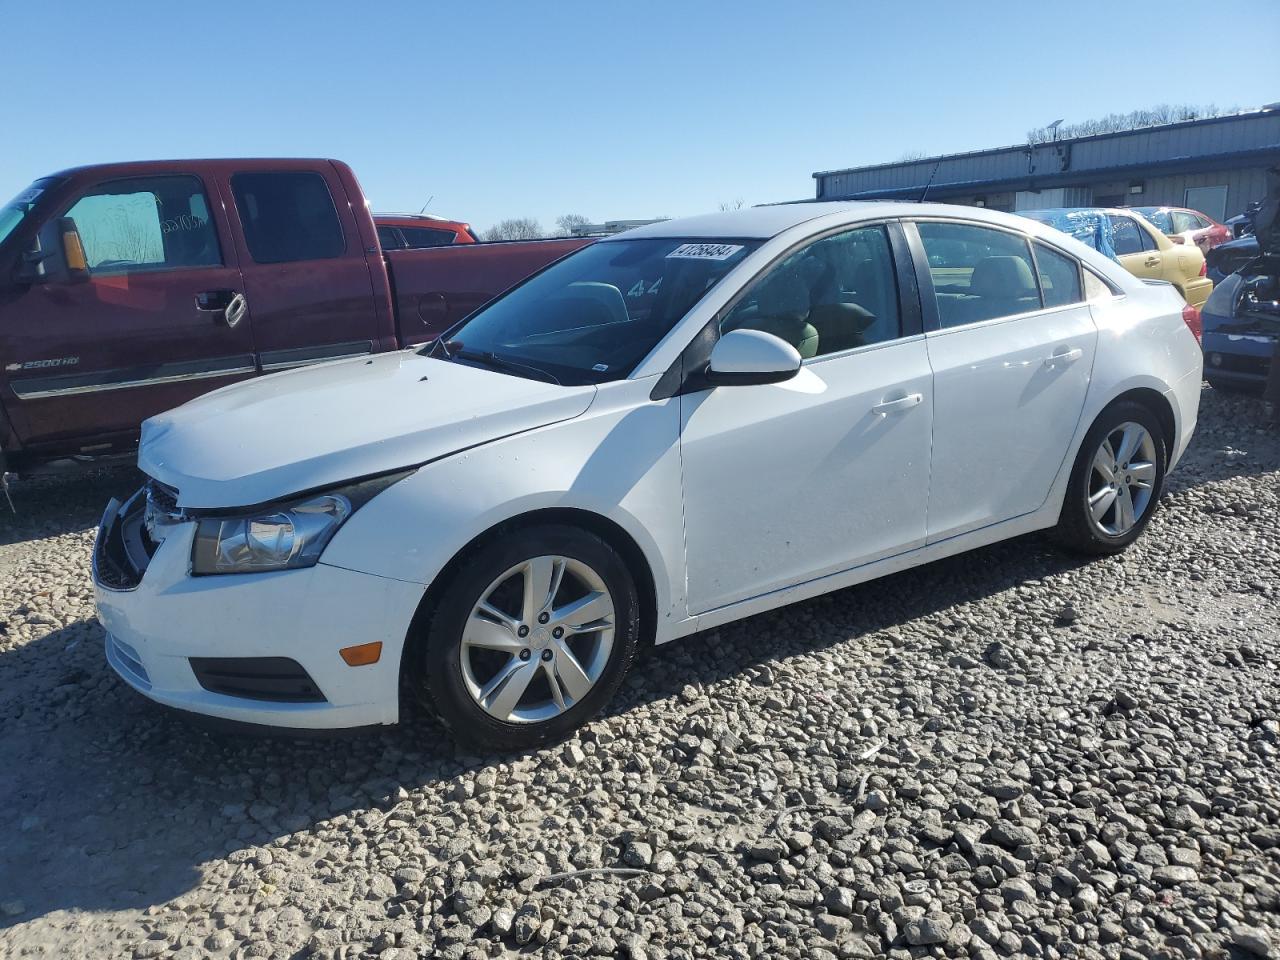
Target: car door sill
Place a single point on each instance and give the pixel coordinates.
(62, 385)
(1038, 519)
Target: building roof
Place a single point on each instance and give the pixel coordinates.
(1237, 139)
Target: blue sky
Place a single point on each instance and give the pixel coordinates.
(606, 109)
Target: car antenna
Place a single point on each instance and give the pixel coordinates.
(427, 204)
(925, 192)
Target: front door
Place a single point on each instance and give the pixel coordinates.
(305, 271)
(787, 482)
(88, 359)
(1011, 349)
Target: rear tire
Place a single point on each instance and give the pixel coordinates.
(530, 638)
(1115, 482)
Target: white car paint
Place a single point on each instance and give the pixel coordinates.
(740, 499)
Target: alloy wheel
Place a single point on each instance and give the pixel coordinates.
(537, 641)
(1122, 479)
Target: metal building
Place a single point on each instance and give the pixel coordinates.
(1216, 166)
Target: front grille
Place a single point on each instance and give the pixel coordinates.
(125, 659)
(257, 678)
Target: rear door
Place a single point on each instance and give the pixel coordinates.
(1011, 344)
(1136, 249)
(305, 270)
(89, 359)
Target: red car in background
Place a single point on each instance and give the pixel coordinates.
(413, 231)
(1187, 226)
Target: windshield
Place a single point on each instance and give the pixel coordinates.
(16, 210)
(1160, 218)
(1091, 227)
(594, 315)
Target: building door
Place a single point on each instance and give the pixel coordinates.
(1211, 201)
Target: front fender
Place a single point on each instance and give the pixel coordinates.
(620, 460)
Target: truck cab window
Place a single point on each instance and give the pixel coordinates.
(147, 223)
(288, 216)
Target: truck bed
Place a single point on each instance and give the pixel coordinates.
(436, 287)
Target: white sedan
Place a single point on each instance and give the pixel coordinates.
(668, 430)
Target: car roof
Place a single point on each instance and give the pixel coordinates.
(768, 221)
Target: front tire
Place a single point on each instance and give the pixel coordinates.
(530, 638)
(1116, 481)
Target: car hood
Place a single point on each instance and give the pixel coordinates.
(319, 426)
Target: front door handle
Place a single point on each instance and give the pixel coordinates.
(231, 305)
(901, 403)
(1063, 357)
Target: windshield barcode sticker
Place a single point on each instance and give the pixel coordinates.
(705, 251)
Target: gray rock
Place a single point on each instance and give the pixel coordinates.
(934, 928)
(1255, 940)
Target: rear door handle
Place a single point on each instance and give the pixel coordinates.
(1153, 261)
(902, 403)
(1064, 357)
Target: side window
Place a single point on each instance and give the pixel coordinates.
(288, 216)
(416, 237)
(147, 223)
(1059, 277)
(1184, 221)
(1095, 288)
(389, 238)
(1125, 236)
(1148, 240)
(834, 294)
(978, 273)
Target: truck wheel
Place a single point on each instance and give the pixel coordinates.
(1115, 482)
(530, 638)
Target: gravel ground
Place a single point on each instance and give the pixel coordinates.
(1008, 753)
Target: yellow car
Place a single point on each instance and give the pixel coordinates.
(1128, 238)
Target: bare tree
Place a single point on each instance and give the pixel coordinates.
(565, 224)
(731, 204)
(1134, 120)
(910, 155)
(515, 228)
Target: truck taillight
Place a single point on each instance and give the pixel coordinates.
(1191, 317)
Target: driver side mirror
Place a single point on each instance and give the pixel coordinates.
(33, 267)
(72, 251)
(744, 357)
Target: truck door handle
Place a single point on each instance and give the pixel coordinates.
(1063, 357)
(229, 303)
(901, 403)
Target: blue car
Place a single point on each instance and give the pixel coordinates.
(1242, 324)
(1226, 258)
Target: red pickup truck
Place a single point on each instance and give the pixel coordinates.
(127, 289)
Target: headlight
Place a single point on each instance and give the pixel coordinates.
(282, 536)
